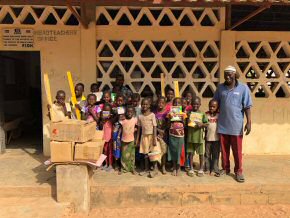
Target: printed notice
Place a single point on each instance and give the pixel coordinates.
(18, 38)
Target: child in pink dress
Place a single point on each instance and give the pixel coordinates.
(107, 125)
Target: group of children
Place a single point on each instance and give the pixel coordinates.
(149, 134)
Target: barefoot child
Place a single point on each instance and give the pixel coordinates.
(212, 144)
(176, 135)
(107, 126)
(147, 122)
(196, 124)
(60, 109)
(161, 118)
(128, 140)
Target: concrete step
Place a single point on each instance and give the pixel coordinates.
(205, 211)
(27, 191)
(166, 196)
(32, 207)
(110, 190)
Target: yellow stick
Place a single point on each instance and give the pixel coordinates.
(48, 94)
(176, 89)
(162, 84)
(73, 94)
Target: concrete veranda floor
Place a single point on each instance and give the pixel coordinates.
(258, 169)
(25, 168)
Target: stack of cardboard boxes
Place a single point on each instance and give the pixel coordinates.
(73, 140)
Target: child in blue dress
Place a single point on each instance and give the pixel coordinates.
(119, 115)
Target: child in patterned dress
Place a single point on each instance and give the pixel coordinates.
(147, 123)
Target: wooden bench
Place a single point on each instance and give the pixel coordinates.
(11, 127)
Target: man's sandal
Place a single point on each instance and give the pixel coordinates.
(240, 178)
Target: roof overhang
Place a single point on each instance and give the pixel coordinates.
(172, 3)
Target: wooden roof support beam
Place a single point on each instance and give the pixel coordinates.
(254, 13)
(76, 14)
(228, 16)
(88, 11)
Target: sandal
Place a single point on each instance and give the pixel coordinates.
(240, 178)
(190, 173)
(219, 173)
(200, 173)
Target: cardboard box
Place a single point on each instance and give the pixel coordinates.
(89, 150)
(72, 131)
(61, 151)
(98, 135)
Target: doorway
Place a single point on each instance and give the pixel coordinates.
(21, 99)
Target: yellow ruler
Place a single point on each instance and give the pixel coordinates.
(48, 94)
(162, 84)
(73, 94)
(176, 89)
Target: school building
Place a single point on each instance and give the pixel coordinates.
(190, 41)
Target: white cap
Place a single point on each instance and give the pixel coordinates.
(230, 69)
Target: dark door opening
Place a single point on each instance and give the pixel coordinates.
(22, 108)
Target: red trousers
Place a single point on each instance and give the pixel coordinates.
(228, 141)
(108, 151)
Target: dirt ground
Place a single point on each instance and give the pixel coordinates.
(265, 211)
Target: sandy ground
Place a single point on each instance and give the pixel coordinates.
(264, 211)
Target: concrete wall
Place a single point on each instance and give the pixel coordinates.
(76, 51)
(64, 52)
(271, 114)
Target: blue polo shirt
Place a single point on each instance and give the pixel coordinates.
(232, 103)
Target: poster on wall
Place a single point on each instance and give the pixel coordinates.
(17, 38)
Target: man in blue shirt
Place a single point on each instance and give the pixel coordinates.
(234, 100)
